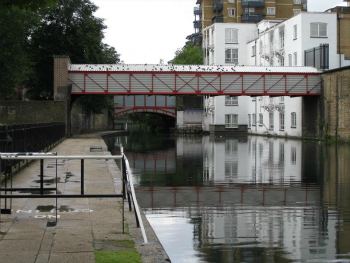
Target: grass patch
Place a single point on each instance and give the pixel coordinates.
(120, 256)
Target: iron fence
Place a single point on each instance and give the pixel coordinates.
(29, 138)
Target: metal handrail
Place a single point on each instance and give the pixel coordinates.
(133, 195)
(126, 174)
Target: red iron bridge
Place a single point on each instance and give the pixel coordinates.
(124, 79)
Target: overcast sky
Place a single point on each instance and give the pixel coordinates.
(146, 31)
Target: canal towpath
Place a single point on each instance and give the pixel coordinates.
(84, 225)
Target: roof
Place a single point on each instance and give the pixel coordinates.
(188, 68)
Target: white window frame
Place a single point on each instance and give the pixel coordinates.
(317, 31)
(297, 2)
(281, 36)
(231, 121)
(231, 35)
(282, 126)
(254, 120)
(271, 11)
(293, 120)
(231, 12)
(231, 100)
(295, 32)
(231, 56)
(295, 55)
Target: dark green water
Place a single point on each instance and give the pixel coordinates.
(247, 199)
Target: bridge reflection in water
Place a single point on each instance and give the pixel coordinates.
(249, 199)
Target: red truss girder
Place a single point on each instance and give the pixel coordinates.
(195, 83)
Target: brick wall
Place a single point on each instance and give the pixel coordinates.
(60, 77)
(31, 112)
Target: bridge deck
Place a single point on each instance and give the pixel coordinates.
(124, 79)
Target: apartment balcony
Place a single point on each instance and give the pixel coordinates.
(217, 19)
(197, 24)
(247, 18)
(197, 11)
(218, 6)
(253, 3)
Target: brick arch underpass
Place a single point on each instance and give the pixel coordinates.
(168, 111)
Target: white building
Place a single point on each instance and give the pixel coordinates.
(307, 39)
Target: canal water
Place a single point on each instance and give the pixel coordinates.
(243, 199)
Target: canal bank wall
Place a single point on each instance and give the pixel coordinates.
(84, 225)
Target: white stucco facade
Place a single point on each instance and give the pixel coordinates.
(272, 44)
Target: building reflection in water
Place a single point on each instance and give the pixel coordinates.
(248, 198)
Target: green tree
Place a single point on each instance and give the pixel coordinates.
(17, 19)
(67, 28)
(188, 55)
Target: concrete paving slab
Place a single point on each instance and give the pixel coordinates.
(86, 257)
(84, 224)
(19, 257)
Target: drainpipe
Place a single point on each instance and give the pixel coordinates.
(338, 37)
(337, 109)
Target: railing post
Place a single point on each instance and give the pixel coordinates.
(82, 190)
(41, 176)
(124, 176)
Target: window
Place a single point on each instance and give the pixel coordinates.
(254, 119)
(281, 60)
(231, 100)
(271, 11)
(293, 118)
(231, 1)
(261, 119)
(231, 35)
(231, 169)
(231, 146)
(318, 30)
(251, 10)
(295, 59)
(271, 121)
(260, 47)
(296, 11)
(231, 12)
(231, 121)
(281, 121)
(293, 155)
(249, 121)
(297, 2)
(231, 55)
(281, 36)
(281, 100)
(253, 51)
(290, 62)
(295, 32)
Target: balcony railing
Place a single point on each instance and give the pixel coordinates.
(253, 3)
(197, 24)
(251, 18)
(197, 11)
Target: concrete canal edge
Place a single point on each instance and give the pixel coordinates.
(153, 251)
